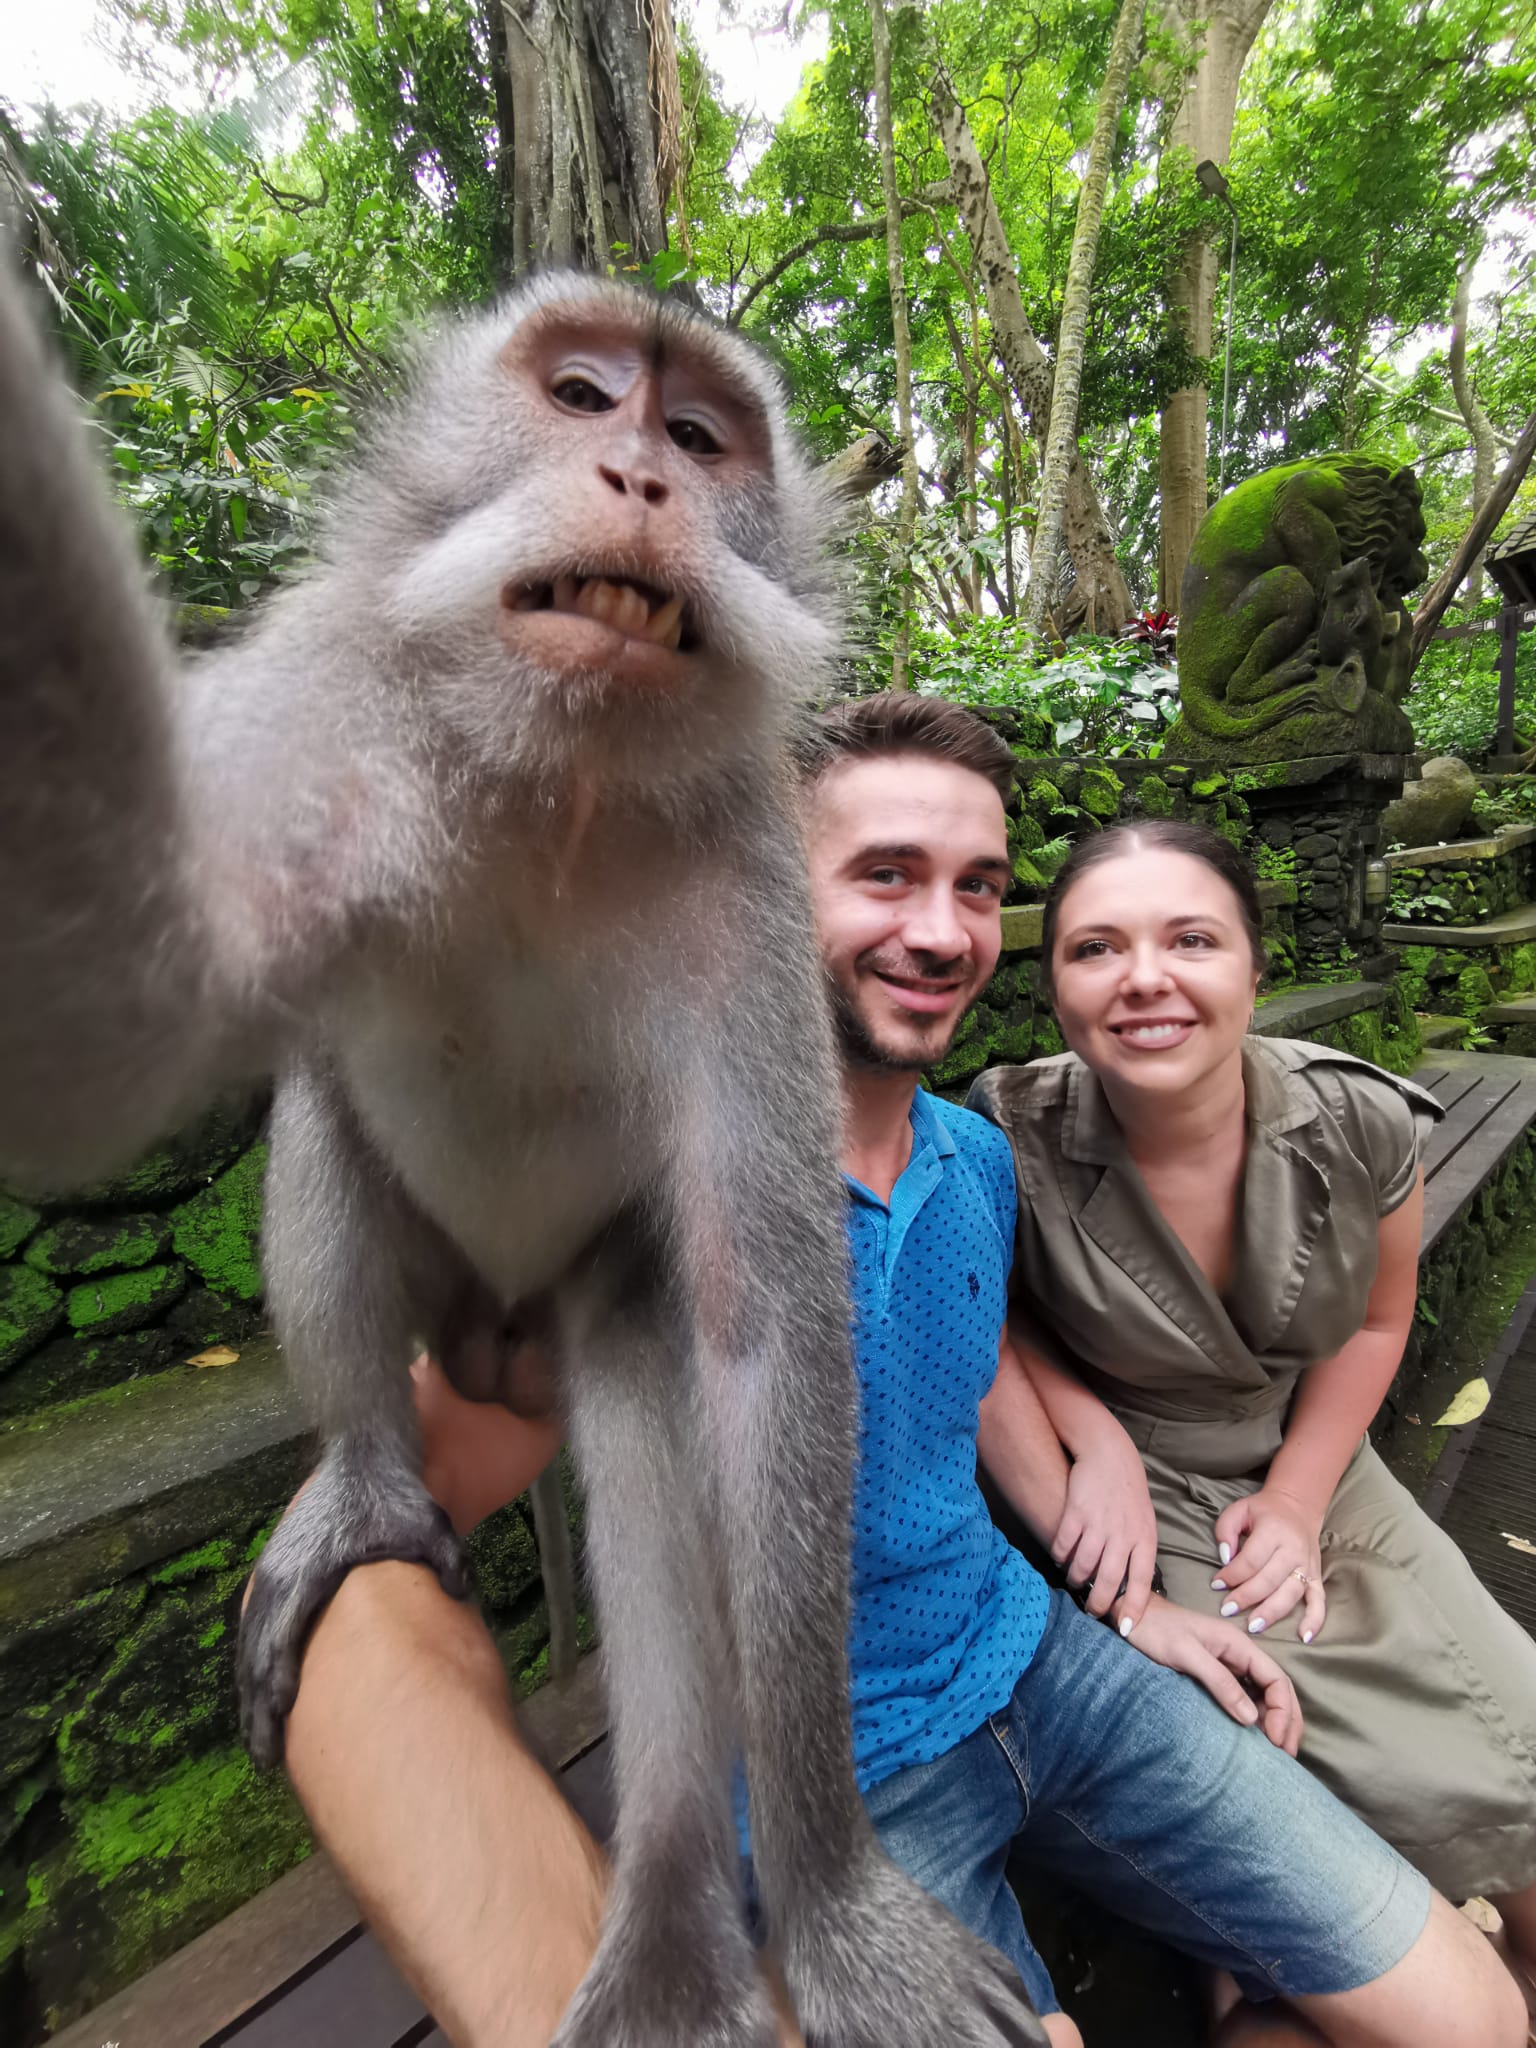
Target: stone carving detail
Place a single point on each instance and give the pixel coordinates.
(1294, 639)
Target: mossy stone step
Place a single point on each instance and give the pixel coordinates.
(97, 1489)
(1438, 1031)
(1509, 928)
(1518, 1010)
(1295, 1012)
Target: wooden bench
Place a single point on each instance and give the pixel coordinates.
(296, 1969)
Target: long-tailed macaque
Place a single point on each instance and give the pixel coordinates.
(480, 840)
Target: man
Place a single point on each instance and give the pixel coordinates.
(987, 1710)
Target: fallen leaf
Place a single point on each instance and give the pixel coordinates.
(1467, 1406)
(220, 1354)
(1519, 1543)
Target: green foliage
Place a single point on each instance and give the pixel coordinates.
(1096, 696)
(1454, 701)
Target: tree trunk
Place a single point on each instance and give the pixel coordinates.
(1203, 111)
(906, 518)
(1485, 451)
(1089, 543)
(1445, 586)
(585, 81)
(1066, 388)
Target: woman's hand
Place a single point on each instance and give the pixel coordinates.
(1108, 1530)
(1270, 1558)
(1227, 1663)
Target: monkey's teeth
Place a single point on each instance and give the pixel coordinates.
(665, 625)
(564, 598)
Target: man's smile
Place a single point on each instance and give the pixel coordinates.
(928, 996)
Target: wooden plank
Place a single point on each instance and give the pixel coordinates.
(1451, 1087)
(1461, 1124)
(353, 1996)
(1473, 1164)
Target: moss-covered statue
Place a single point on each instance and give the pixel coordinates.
(1294, 639)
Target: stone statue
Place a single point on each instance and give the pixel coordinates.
(1294, 639)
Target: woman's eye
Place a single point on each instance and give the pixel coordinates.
(694, 438)
(580, 394)
(1194, 941)
(1091, 949)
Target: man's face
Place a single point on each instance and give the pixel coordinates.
(908, 863)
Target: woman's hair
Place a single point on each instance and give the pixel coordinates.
(903, 722)
(1169, 836)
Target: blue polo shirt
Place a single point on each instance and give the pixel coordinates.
(946, 1614)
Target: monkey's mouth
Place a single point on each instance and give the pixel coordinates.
(623, 602)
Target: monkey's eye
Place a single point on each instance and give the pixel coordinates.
(580, 394)
(693, 437)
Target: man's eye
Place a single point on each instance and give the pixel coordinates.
(979, 885)
(580, 394)
(693, 437)
(885, 875)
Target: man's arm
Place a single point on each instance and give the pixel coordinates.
(1020, 1450)
(402, 1746)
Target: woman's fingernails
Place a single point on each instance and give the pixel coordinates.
(1229, 1610)
(1225, 1553)
(1307, 1635)
(1250, 1712)
(1218, 1585)
(1257, 1626)
(1126, 1624)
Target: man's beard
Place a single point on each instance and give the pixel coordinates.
(860, 1048)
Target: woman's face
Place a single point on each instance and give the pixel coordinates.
(1153, 972)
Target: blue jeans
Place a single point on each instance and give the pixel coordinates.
(1128, 1781)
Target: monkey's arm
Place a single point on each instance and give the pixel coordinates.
(117, 1016)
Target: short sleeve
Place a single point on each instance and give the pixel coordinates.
(1384, 1121)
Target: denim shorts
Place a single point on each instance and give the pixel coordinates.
(1129, 1782)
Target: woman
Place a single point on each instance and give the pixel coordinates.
(1217, 1266)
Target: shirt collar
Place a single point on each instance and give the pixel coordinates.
(1275, 1101)
(931, 1145)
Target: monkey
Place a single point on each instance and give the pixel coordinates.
(481, 840)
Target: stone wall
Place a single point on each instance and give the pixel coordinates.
(136, 1273)
(1461, 883)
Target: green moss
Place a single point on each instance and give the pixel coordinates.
(31, 1309)
(1043, 795)
(1266, 775)
(1156, 798)
(1208, 785)
(1048, 1039)
(125, 1301)
(77, 1244)
(17, 1223)
(1474, 992)
(1100, 792)
(217, 1232)
(187, 1162)
(1025, 835)
(222, 1555)
(1519, 969)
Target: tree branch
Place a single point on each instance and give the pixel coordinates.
(1473, 541)
(938, 194)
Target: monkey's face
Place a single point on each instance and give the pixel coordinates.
(908, 865)
(626, 548)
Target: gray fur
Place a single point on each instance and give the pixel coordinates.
(533, 966)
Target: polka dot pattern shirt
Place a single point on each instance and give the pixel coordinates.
(946, 1615)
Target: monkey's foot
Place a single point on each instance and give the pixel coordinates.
(889, 1968)
(672, 1970)
(348, 1514)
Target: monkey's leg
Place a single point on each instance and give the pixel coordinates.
(352, 1272)
(674, 1966)
(872, 1961)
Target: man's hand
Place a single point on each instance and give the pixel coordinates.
(1108, 1531)
(476, 1455)
(1270, 1558)
(1226, 1662)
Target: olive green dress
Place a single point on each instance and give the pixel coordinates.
(1420, 1692)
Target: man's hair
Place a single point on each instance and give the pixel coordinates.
(902, 722)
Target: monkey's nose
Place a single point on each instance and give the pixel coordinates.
(634, 483)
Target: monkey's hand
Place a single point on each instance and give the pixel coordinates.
(354, 1511)
(887, 1967)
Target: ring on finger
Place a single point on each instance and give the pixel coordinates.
(1300, 1574)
